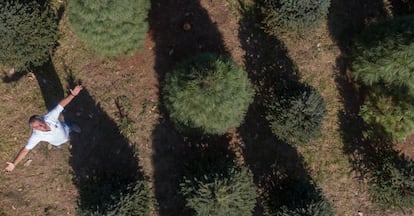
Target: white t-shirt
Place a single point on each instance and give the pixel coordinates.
(58, 134)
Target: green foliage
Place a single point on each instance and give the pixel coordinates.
(135, 201)
(207, 94)
(293, 197)
(126, 125)
(296, 116)
(384, 62)
(391, 108)
(110, 27)
(384, 53)
(229, 192)
(293, 16)
(392, 183)
(28, 34)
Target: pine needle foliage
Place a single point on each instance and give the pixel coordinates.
(392, 182)
(391, 107)
(297, 115)
(384, 62)
(28, 34)
(294, 197)
(207, 94)
(231, 192)
(135, 201)
(293, 16)
(110, 27)
(384, 53)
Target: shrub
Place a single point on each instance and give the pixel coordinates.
(110, 27)
(293, 16)
(384, 54)
(296, 116)
(230, 192)
(207, 94)
(28, 34)
(391, 110)
(392, 182)
(135, 201)
(384, 62)
(300, 197)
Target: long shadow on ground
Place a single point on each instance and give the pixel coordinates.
(103, 161)
(180, 30)
(373, 158)
(278, 167)
(346, 20)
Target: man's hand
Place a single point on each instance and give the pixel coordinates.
(10, 167)
(75, 91)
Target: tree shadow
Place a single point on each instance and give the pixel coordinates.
(180, 30)
(347, 18)
(345, 21)
(402, 7)
(276, 165)
(104, 162)
(368, 146)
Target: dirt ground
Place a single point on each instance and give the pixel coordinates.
(57, 181)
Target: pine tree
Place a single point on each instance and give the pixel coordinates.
(293, 16)
(28, 34)
(110, 27)
(384, 63)
(230, 192)
(295, 197)
(296, 115)
(207, 94)
(384, 54)
(134, 201)
(391, 184)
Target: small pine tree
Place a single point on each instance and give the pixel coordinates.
(296, 116)
(300, 197)
(384, 62)
(390, 110)
(135, 201)
(28, 34)
(293, 16)
(207, 94)
(392, 182)
(110, 27)
(384, 54)
(231, 192)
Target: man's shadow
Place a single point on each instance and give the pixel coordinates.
(180, 29)
(104, 162)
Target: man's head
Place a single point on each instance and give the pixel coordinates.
(36, 122)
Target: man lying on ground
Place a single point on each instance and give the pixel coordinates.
(48, 128)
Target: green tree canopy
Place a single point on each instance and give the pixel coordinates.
(207, 94)
(28, 34)
(293, 16)
(110, 27)
(383, 61)
(296, 115)
(228, 192)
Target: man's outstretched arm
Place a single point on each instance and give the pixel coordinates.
(73, 93)
(22, 154)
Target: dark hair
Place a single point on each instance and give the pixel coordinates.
(34, 118)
